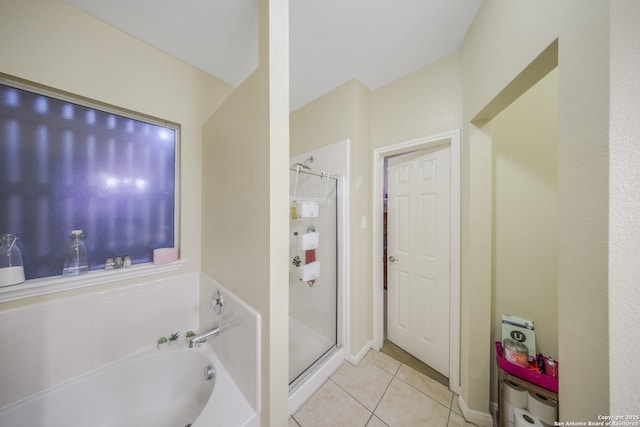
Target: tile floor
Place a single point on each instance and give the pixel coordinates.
(399, 354)
(380, 391)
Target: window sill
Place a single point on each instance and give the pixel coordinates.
(50, 285)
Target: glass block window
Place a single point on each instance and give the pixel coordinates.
(68, 165)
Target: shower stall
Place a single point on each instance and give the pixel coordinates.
(313, 270)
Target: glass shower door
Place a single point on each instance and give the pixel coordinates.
(313, 270)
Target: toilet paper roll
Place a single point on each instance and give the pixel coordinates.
(525, 418)
(542, 408)
(508, 411)
(514, 394)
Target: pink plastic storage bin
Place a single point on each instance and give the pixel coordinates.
(543, 380)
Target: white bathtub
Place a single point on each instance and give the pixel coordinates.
(159, 388)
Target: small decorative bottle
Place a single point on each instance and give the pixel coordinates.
(11, 267)
(76, 259)
(541, 363)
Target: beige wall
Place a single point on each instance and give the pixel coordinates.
(245, 242)
(344, 113)
(624, 207)
(328, 119)
(53, 44)
(235, 201)
(426, 102)
(502, 40)
(525, 215)
(361, 247)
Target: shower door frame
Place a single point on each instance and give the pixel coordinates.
(327, 156)
(340, 276)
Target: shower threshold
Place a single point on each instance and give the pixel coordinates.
(312, 369)
(310, 380)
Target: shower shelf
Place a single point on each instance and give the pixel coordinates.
(309, 271)
(307, 209)
(308, 241)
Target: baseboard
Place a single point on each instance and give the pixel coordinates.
(476, 417)
(354, 360)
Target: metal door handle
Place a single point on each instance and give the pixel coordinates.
(393, 259)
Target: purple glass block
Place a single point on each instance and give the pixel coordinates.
(64, 166)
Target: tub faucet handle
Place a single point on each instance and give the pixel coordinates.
(209, 373)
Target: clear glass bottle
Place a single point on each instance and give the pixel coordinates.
(76, 259)
(11, 267)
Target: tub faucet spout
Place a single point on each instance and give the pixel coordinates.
(199, 339)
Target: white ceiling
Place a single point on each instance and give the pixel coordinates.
(331, 41)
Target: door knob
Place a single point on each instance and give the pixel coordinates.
(393, 259)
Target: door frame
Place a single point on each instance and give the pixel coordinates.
(452, 139)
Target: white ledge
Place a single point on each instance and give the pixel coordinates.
(50, 285)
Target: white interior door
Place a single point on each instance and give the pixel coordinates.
(419, 253)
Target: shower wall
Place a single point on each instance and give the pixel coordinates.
(313, 280)
(315, 306)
